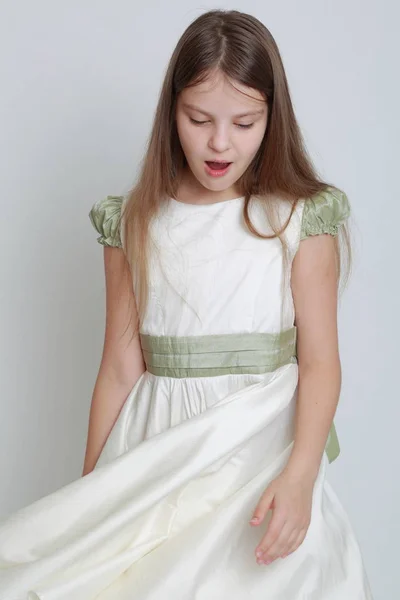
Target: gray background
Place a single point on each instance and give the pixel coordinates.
(80, 82)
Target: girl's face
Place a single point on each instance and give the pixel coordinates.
(217, 122)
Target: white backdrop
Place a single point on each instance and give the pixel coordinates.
(79, 83)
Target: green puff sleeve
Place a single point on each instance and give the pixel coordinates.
(324, 213)
(105, 216)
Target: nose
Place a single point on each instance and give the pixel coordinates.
(219, 140)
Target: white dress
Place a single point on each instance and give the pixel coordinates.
(165, 513)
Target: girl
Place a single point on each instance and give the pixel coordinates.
(211, 424)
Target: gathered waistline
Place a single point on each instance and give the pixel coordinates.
(218, 354)
(222, 354)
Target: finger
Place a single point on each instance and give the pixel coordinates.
(273, 532)
(290, 543)
(281, 543)
(298, 541)
(262, 508)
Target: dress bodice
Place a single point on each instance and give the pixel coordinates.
(209, 274)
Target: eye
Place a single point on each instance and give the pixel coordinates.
(240, 125)
(197, 122)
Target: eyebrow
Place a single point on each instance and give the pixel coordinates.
(246, 114)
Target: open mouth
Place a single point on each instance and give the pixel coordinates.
(217, 168)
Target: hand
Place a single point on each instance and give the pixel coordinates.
(290, 498)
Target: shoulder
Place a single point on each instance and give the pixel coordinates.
(105, 216)
(324, 212)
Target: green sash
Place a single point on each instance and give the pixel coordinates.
(221, 354)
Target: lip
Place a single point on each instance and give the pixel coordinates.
(219, 173)
(219, 160)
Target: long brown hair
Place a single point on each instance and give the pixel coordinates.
(240, 47)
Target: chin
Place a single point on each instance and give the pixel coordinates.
(219, 187)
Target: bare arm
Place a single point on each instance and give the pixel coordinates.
(314, 287)
(122, 361)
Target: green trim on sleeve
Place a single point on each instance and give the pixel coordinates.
(105, 216)
(324, 213)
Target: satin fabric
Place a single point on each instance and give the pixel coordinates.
(324, 213)
(165, 513)
(211, 355)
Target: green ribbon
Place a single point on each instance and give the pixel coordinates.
(221, 354)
